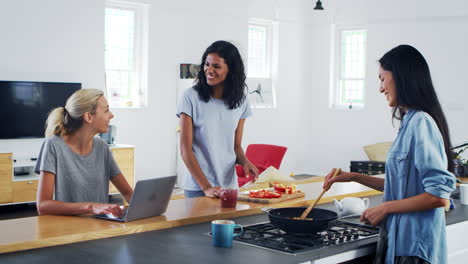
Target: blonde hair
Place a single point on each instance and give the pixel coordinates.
(66, 120)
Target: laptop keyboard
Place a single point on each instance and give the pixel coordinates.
(115, 217)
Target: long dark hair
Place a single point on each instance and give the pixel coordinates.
(234, 85)
(415, 90)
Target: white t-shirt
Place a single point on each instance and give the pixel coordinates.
(214, 127)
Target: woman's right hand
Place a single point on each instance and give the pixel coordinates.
(342, 177)
(99, 208)
(212, 191)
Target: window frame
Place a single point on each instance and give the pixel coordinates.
(268, 24)
(336, 69)
(271, 59)
(139, 97)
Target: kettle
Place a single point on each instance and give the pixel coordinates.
(351, 206)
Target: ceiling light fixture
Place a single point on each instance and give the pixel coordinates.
(318, 5)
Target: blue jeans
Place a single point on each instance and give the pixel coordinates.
(192, 194)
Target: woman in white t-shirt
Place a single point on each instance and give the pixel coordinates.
(74, 166)
(212, 115)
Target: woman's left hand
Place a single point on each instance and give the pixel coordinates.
(374, 215)
(250, 170)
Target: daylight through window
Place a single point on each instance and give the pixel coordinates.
(125, 45)
(352, 69)
(260, 60)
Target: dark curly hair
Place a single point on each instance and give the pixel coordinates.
(415, 90)
(234, 85)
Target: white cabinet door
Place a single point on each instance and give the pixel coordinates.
(457, 243)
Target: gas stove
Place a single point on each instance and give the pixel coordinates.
(266, 235)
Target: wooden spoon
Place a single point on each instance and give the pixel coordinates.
(307, 211)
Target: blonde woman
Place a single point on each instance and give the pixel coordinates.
(74, 166)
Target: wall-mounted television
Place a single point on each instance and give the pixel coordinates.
(24, 106)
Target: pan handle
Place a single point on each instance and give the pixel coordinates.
(266, 209)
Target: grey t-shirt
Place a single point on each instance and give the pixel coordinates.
(214, 128)
(78, 178)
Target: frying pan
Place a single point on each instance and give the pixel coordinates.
(282, 218)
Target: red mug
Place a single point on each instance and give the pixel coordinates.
(228, 197)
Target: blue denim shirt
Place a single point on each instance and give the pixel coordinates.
(417, 163)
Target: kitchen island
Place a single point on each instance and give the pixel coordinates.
(50, 230)
(190, 244)
(185, 242)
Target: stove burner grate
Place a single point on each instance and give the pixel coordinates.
(268, 236)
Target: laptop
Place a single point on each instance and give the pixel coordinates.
(150, 198)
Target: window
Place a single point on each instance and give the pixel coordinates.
(260, 63)
(259, 51)
(349, 84)
(126, 31)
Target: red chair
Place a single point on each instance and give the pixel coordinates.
(262, 156)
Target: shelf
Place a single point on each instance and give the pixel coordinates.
(116, 146)
(24, 163)
(29, 177)
(24, 172)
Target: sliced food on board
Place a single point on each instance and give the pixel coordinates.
(278, 190)
(264, 194)
(284, 188)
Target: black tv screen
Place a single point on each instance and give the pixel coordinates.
(24, 106)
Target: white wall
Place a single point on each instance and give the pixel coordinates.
(62, 40)
(180, 31)
(441, 36)
(50, 40)
(281, 126)
(55, 40)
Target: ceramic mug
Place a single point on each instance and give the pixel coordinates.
(222, 233)
(351, 206)
(464, 193)
(228, 197)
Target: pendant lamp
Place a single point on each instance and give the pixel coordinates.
(318, 5)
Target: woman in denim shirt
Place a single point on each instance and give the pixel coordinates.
(418, 173)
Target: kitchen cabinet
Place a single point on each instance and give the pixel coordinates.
(22, 189)
(6, 176)
(125, 158)
(457, 250)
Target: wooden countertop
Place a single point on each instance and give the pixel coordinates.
(462, 179)
(43, 231)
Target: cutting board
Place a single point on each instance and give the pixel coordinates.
(284, 197)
